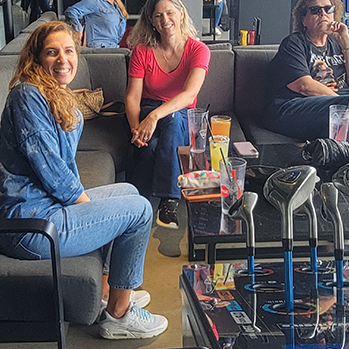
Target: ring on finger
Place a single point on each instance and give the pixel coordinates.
(145, 138)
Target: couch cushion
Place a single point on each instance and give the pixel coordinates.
(7, 68)
(14, 47)
(44, 18)
(251, 83)
(96, 168)
(220, 46)
(119, 50)
(252, 93)
(106, 134)
(217, 89)
(111, 135)
(26, 289)
(108, 71)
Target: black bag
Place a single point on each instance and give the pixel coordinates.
(326, 154)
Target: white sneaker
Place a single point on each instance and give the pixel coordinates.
(141, 299)
(217, 31)
(136, 323)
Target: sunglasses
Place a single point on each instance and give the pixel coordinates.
(316, 10)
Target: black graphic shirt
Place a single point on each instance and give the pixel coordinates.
(298, 57)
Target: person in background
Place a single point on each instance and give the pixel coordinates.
(310, 71)
(104, 21)
(218, 14)
(40, 131)
(167, 68)
(37, 7)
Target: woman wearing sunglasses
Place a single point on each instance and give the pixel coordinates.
(309, 72)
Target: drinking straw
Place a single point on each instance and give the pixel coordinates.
(208, 124)
(225, 165)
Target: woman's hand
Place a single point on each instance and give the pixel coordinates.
(82, 198)
(339, 32)
(145, 131)
(136, 140)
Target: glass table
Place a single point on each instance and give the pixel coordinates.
(224, 307)
(206, 225)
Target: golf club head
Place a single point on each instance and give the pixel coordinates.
(341, 179)
(329, 195)
(288, 189)
(242, 209)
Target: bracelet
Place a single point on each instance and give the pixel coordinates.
(345, 49)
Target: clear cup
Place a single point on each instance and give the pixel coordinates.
(339, 122)
(232, 173)
(220, 125)
(197, 122)
(216, 144)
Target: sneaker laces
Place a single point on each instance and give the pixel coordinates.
(142, 314)
(170, 206)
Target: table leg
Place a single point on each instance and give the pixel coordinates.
(210, 254)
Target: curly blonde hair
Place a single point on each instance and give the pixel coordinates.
(301, 8)
(143, 31)
(29, 69)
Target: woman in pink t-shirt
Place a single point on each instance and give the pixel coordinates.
(167, 68)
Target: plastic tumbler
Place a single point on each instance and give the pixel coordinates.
(197, 122)
(339, 121)
(232, 173)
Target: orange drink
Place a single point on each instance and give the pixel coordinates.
(220, 125)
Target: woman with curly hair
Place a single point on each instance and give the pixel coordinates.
(40, 130)
(310, 71)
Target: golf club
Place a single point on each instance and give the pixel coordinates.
(330, 196)
(309, 209)
(341, 179)
(242, 209)
(287, 190)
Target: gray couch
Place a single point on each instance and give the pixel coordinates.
(235, 85)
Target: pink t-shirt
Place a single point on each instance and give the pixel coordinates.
(162, 86)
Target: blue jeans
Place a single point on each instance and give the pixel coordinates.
(156, 166)
(218, 13)
(305, 118)
(116, 213)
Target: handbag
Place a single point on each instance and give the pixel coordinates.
(199, 179)
(91, 103)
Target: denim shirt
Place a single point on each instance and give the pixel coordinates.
(38, 172)
(105, 24)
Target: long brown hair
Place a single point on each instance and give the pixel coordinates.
(30, 70)
(122, 8)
